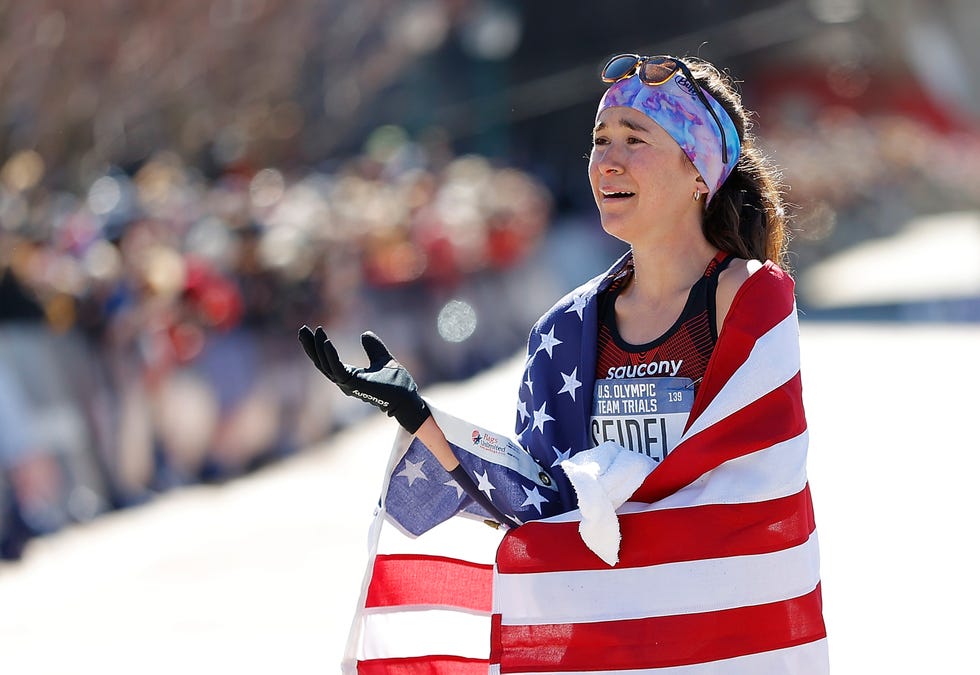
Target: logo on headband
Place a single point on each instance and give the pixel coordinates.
(684, 84)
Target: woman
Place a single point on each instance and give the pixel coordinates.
(671, 382)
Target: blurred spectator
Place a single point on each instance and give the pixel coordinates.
(30, 416)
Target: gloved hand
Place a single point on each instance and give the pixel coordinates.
(385, 383)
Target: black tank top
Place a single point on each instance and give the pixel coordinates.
(683, 351)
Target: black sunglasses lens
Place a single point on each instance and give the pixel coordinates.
(619, 67)
(658, 71)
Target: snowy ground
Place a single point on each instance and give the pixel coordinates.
(261, 576)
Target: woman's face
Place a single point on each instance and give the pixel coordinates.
(641, 179)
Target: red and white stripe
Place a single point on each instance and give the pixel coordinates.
(424, 609)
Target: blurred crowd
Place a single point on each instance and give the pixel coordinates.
(184, 184)
(148, 320)
(852, 177)
(148, 325)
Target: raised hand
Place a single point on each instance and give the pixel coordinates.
(384, 383)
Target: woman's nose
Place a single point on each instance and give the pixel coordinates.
(609, 161)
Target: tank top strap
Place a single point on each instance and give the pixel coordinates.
(718, 264)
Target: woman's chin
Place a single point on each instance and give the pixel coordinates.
(615, 225)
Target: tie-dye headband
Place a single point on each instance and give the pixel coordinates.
(675, 107)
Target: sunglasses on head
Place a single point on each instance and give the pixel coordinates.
(656, 70)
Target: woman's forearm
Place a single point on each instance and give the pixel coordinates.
(435, 440)
(430, 434)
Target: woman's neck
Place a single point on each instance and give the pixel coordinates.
(669, 267)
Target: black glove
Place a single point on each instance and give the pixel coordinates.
(385, 383)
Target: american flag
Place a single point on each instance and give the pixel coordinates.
(426, 600)
(718, 569)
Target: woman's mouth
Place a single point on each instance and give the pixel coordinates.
(616, 194)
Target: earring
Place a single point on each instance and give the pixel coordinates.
(697, 195)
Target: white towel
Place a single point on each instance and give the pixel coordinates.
(604, 477)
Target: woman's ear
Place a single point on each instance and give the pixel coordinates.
(700, 188)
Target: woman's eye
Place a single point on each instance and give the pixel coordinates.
(599, 141)
(634, 139)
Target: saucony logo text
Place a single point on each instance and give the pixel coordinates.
(646, 369)
(372, 399)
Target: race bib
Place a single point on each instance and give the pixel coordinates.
(645, 415)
